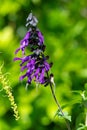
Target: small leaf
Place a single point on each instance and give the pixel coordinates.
(68, 118)
(64, 115)
(82, 127)
(72, 102)
(77, 91)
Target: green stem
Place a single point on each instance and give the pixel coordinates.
(86, 117)
(59, 107)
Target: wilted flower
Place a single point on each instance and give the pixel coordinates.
(36, 64)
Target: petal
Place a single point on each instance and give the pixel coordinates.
(47, 66)
(25, 38)
(22, 45)
(27, 42)
(29, 80)
(31, 63)
(32, 76)
(42, 81)
(24, 59)
(17, 50)
(23, 76)
(23, 67)
(37, 72)
(17, 58)
(41, 38)
(27, 35)
(41, 75)
(29, 72)
(23, 52)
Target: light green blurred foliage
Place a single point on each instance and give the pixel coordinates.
(64, 26)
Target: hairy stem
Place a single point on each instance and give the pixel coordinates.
(59, 107)
(6, 87)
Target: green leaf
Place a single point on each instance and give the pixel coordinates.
(68, 118)
(64, 115)
(82, 127)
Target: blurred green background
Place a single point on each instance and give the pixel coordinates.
(64, 26)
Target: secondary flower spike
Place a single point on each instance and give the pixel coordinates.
(35, 64)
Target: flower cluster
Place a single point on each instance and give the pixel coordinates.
(36, 64)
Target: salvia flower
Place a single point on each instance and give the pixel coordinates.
(35, 65)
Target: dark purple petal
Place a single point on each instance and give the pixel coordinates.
(37, 78)
(37, 72)
(42, 81)
(29, 80)
(33, 67)
(27, 35)
(32, 76)
(23, 76)
(26, 38)
(17, 50)
(47, 66)
(17, 58)
(41, 78)
(41, 38)
(23, 52)
(31, 63)
(24, 43)
(24, 59)
(23, 67)
(30, 71)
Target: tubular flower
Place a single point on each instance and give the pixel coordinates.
(35, 64)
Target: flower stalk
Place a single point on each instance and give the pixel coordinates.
(59, 107)
(36, 64)
(5, 84)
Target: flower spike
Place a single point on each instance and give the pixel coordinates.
(36, 64)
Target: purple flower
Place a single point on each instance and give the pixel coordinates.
(24, 59)
(33, 71)
(47, 66)
(24, 43)
(41, 77)
(33, 37)
(35, 64)
(41, 38)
